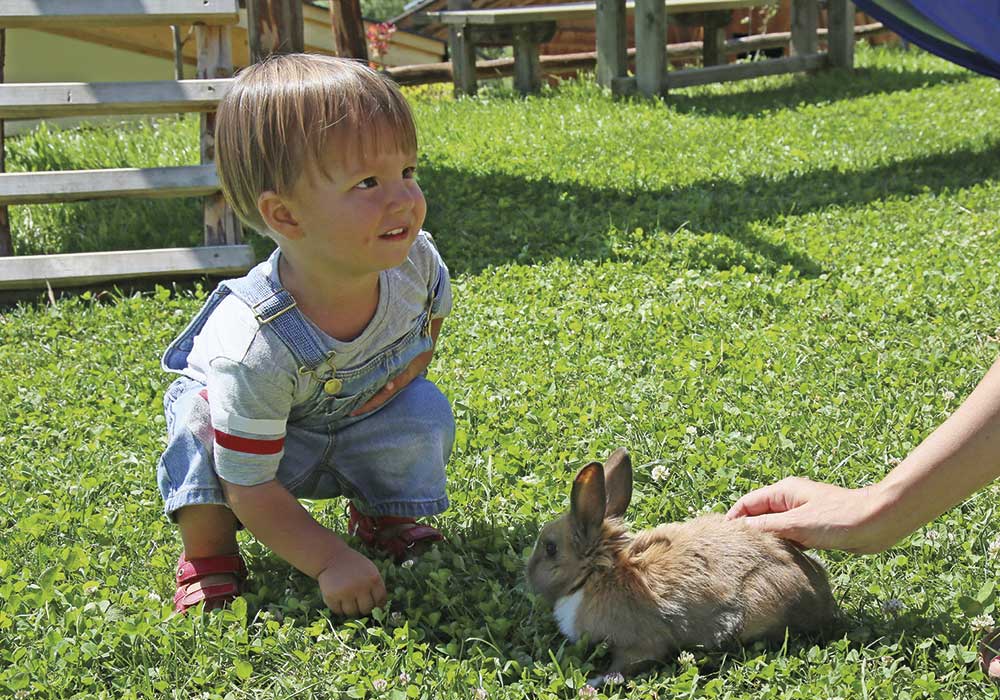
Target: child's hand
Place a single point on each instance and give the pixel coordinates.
(352, 586)
(412, 371)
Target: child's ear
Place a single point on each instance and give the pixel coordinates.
(278, 217)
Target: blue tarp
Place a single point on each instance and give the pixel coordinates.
(966, 32)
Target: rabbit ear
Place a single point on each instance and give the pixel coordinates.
(588, 503)
(618, 482)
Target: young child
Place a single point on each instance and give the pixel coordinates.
(305, 378)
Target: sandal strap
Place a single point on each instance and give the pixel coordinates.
(191, 570)
(186, 598)
(420, 533)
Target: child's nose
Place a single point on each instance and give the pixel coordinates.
(404, 198)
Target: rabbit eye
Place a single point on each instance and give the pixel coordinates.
(550, 549)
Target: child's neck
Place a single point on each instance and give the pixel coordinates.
(342, 306)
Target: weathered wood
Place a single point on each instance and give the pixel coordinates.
(40, 14)
(78, 185)
(527, 72)
(540, 32)
(650, 46)
(348, 29)
(611, 41)
(32, 271)
(6, 242)
(689, 77)
(840, 39)
(576, 10)
(48, 100)
(714, 31)
(805, 20)
(215, 61)
(274, 26)
(462, 51)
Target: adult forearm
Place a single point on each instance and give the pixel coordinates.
(280, 522)
(961, 456)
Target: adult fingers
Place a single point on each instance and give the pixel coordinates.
(769, 499)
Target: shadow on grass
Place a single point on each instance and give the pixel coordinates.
(480, 221)
(818, 88)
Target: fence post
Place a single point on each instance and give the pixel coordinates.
(611, 48)
(840, 39)
(215, 60)
(6, 244)
(348, 29)
(650, 46)
(805, 22)
(274, 26)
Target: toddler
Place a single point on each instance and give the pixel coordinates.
(305, 378)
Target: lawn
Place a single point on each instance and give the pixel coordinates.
(792, 275)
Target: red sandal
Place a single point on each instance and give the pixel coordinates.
(216, 595)
(390, 533)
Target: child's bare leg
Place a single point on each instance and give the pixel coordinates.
(208, 531)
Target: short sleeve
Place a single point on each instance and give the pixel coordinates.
(249, 409)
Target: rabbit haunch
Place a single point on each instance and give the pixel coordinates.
(707, 582)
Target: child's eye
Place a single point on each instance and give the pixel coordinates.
(409, 173)
(367, 183)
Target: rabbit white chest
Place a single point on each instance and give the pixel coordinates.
(565, 611)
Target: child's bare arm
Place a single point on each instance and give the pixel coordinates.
(958, 458)
(350, 583)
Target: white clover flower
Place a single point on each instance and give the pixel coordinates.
(614, 679)
(948, 395)
(481, 694)
(994, 546)
(932, 535)
(380, 684)
(691, 430)
(408, 564)
(892, 606)
(660, 473)
(396, 618)
(155, 597)
(404, 678)
(982, 623)
(588, 691)
(893, 461)
(685, 659)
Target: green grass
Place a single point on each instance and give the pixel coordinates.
(742, 282)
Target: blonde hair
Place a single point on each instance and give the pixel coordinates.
(281, 115)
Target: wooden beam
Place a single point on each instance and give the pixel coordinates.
(527, 72)
(41, 14)
(689, 77)
(840, 39)
(48, 100)
(79, 185)
(611, 41)
(215, 61)
(574, 10)
(6, 242)
(274, 26)
(805, 20)
(348, 29)
(650, 46)
(34, 271)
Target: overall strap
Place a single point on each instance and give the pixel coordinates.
(274, 306)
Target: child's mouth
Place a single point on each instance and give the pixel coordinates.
(394, 234)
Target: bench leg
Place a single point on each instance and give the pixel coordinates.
(650, 46)
(611, 50)
(840, 40)
(805, 22)
(463, 60)
(713, 52)
(527, 70)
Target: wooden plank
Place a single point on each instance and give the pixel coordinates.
(840, 39)
(743, 71)
(527, 72)
(78, 185)
(462, 47)
(6, 242)
(805, 20)
(577, 10)
(76, 269)
(41, 14)
(215, 61)
(47, 100)
(275, 26)
(611, 41)
(650, 46)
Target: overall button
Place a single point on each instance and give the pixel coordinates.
(332, 386)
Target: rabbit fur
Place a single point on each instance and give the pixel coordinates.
(707, 582)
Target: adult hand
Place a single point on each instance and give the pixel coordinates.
(815, 515)
(351, 585)
(396, 384)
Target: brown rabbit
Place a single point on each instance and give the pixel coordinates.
(707, 582)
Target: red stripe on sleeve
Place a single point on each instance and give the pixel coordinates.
(249, 445)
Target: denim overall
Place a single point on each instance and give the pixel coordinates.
(390, 461)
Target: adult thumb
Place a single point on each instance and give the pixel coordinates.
(781, 524)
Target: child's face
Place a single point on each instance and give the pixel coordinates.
(363, 216)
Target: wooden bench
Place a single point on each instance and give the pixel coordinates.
(223, 252)
(534, 25)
